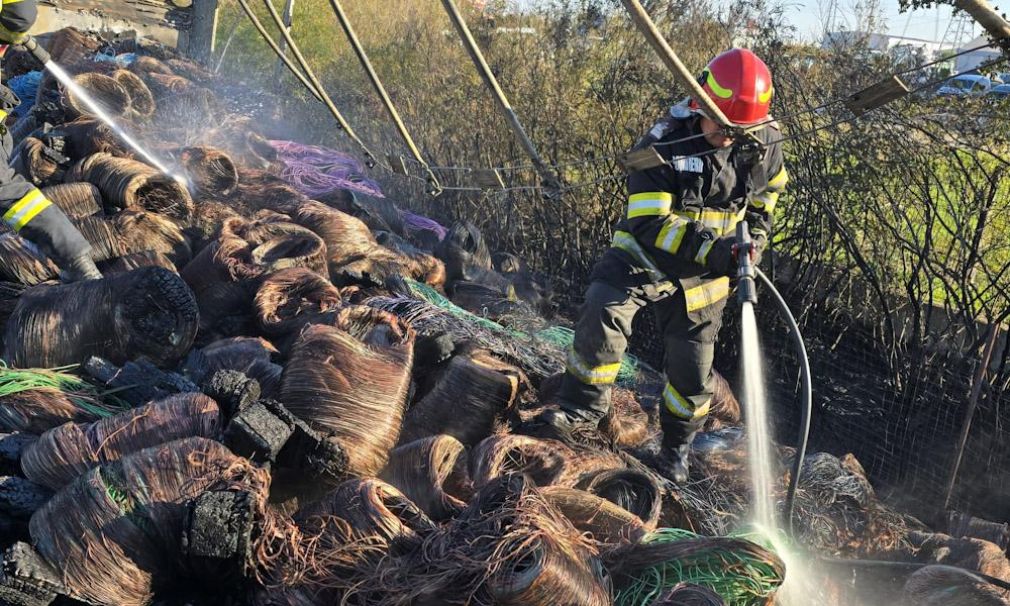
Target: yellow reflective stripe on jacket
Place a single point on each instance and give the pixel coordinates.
(721, 222)
(779, 181)
(766, 201)
(707, 294)
(672, 234)
(25, 209)
(681, 407)
(650, 203)
(627, 242)
(702, 257)
(3, 115)
(605, 374)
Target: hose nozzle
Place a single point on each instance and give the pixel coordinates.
(33, 48)
(744, 250)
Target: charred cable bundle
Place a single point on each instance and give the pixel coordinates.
(630, 489)
(86, 136)
(741, 572)
(464, 252)
(131, 232)
(130, 262)
(165, 85)
(604, 521)
(351, 381)
(141, 99)
(226, 274)
(689, 595)
(542, 460)
(949, 586)
(206, 225)
(106, 92)
(626, 424)
(470, 401)
(76, 200)
(258, 189)
(35, 400)
(211, 171)
(725, 411)
(508, 547)
(149, 312)
(291, 298)
(373, 509)
(38, 163)
(432, 473)
(241, 354)
(22, 262)
(129, 184)
(115, 532)
(145, 64)
(66, 452)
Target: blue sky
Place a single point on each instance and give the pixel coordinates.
(806, 16)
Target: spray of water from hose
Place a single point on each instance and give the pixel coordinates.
(748, 274)
(43, 57)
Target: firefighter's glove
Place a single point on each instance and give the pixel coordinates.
(11, 37)
(722, 259)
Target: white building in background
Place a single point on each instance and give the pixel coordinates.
(970, 61)
(901, 46)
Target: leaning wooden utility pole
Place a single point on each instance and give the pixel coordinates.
(648, 27)
(551, 182)
(289, 17)
(994, 24)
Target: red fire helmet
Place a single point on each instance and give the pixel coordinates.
(740, 84)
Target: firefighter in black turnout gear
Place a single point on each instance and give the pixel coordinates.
(23, 206)
(674, 250)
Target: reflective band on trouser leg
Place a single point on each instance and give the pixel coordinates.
(605, 374)
(779, 181)
(721, 222)
(25, 209)
(681, 407)
(627, 242)
(766, 201)
(708, 293)
(651, 203)
(672, 234)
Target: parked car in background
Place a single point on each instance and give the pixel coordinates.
(999, 93)
(965, 85)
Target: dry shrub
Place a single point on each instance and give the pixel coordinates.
(350, 381)
(105, 91)
(66, 452)
(76, 200)
(373, 508)
(632, 490)
(131, 232)
(471, 400)
(114, 533)
(142, 102)
(129, 184)
(149, 312)
(949, 586)
(289, 299)
(211, 171)
(432, 473)
(32, 161)
(22, 262)
(543, 461)
(604, 521)
(128, 263)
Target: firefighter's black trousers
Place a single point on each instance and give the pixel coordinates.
(601, 339)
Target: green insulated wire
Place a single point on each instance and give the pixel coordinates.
(81, 393)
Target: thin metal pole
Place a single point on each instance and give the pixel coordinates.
(648, 28)
(327, 101)
(359, 50)
(550, 180)
(993, 22)
(289, 16)
(969, 413)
